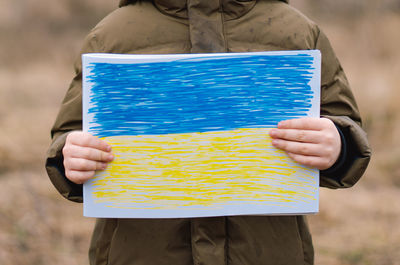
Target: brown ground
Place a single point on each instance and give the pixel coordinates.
(38, 41)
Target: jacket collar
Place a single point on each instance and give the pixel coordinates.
(178, 8)
(205, 17)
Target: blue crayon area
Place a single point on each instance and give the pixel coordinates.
(198, 95)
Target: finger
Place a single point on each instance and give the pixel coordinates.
(87, 140)
(305, 136)
(79, 177)
(310, 161)
(307, 123)
(88, 153)
(308, 149)
(81, 164)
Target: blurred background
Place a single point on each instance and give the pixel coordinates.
(39, 39)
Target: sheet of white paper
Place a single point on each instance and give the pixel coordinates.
(190, 133)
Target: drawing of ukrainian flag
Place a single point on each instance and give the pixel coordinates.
(190, 133)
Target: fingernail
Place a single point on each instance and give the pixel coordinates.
(104, 166)
(110, 157)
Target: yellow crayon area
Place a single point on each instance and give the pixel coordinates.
(200, 170)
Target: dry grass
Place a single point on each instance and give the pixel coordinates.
(38, 42)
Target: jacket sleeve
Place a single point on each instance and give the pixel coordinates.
(69, 119)
(339, 105)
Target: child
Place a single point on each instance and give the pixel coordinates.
(334, 143)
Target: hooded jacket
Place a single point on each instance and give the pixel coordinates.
(198, 26)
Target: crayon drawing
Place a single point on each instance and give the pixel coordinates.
(190, 133)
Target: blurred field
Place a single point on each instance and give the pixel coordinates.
(38, 42)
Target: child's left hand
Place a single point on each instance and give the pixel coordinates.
(313, 142)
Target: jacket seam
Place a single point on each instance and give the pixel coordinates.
(168, 14)
(243, 14)
(112, 240)
(223, 21)
(194, 258)
(226, 241)
(191, 240)
(301, 239)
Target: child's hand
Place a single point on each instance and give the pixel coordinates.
(83, 155)
(313, 142)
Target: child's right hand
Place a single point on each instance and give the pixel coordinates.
(83, 155)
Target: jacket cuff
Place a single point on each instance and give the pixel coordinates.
(55, 170)
(338, 166)
(352, 164)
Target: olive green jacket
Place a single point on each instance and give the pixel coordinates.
(192, 26)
